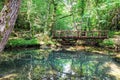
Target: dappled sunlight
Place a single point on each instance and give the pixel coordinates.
(52, 65)
(114, 70)
(8, 77)
(59, 40)
(66, 68)
(82, 64)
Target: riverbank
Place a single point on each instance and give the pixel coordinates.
(20, 43)
(96, 50)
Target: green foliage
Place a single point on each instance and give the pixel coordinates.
(22, 23)
(62, 24)
(111, 34)
(22, 42)
(107, 43)
(1, 4)
(44, 15)
(117, 33)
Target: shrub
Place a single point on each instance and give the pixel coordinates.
(107, 43)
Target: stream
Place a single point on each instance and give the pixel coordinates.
(46, 64)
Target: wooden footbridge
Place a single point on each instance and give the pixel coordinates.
(71, 36)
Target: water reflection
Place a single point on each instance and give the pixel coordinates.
(57, 65)
(81, 65)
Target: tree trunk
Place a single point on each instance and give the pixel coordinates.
(8, 18)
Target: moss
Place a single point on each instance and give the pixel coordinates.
(111, 34)
(22, 42)
(117, 33)
(107, 43)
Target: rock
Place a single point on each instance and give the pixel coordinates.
(114, 71)
(44, 47)
(117, 58)
(116, 41)
(42, 43)
(8, 77)
(1, 75)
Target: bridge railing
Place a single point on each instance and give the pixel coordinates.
(79, 34)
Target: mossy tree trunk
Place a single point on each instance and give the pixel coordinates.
(8, 18)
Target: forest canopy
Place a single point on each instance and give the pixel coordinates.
(47, 15)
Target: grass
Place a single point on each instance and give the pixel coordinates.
(20, 42)
(107, 43)
(112, 33)
(117, 33)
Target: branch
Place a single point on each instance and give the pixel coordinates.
(69, 14)
(66, 16)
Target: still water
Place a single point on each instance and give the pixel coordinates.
(57, 65)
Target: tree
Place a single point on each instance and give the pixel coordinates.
(8, 20)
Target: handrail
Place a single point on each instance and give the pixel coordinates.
(80, 34)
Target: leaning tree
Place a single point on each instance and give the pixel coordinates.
(8, 17)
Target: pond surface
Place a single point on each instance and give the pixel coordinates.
(57, 65)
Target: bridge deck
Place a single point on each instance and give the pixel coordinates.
(70, 34)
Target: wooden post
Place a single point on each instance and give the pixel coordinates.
(77, 34)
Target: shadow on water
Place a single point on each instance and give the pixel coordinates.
(57, 65)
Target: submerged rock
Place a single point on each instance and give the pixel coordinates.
(8, 77)
(1, 75)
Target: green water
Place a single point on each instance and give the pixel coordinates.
(56, 65)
